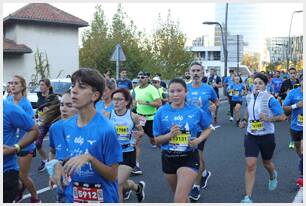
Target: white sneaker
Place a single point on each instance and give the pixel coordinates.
(231, 119)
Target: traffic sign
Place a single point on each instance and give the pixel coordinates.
(118, 54)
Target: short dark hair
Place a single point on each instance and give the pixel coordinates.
(196, 63)
(92, 77)
(178, 81)
(123, 69)
(126, 94)
(261, 76)
(291, 68)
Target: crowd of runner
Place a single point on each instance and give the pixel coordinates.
(96, 128)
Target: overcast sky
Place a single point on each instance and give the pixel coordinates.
(190, 15)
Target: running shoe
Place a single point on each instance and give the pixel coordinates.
(140, 194)
(203, 182)
(195, 193)
(42, 167)
(127, 194)
(153, 146)
(273, 182)
(246, 199)
(34, 200)
(231, 119)
(291, 145)
(137, 171)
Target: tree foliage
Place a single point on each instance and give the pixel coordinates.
(42, 67)
(169, 48)
(251, 60)
(161, 52)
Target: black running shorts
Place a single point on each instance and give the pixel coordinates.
(264, 144)
(172, 161)
(148, 128)
(233, 103)
(25, 153)
(296, 136)
(129, 159)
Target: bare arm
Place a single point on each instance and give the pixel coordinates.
(139, 133)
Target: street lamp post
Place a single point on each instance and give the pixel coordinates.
(289, 43)
(223, 44)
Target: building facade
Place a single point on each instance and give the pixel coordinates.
(40, 26)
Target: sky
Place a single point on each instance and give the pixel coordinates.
(190, 15)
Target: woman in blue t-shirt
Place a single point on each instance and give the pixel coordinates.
(176, 127)
(238, 90)
(18, 89)
(57, 114)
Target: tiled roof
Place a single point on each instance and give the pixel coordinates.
(9, 46)
(44, 13)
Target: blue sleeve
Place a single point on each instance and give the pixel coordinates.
(213, 96)
(156, 125)
(51, 137)
(20, 119)
(130, 85)
(111, 148)
(287, 101)
(29, 109)
(205, 119)
(275, 107)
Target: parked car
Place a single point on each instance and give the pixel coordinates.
(60, 86)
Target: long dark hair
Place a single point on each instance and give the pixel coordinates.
(48, 84)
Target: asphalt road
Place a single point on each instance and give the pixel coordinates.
(224, 155)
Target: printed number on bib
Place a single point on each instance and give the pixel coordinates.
(122, 130)
(257, 125)
(236, 93)
(300, 120)
(230, 92)
(179, 142)
(83, 192)
(142, 120)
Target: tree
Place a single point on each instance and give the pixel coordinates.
(96, 49)
(251, 60)
(168, 48)
(42, 67)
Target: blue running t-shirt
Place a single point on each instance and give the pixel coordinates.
(25, 104)
(293, 97)
(190, 119)
(99, 139)
(13, 117)
(201, 96)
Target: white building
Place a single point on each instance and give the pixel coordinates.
(213, 57)
(44, 27)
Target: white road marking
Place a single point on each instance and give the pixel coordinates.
(299, 196)
(38, 192)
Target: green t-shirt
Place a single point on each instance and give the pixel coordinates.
(150, 94)
(161, 90)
